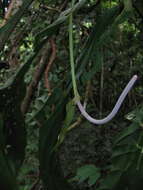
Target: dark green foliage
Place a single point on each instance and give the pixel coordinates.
(99, 32)
(51, 29)
(104, 32)
(7, 175)
(7, 29)
(126, 169)
(49, 164)
(13, 132)
(89, 172)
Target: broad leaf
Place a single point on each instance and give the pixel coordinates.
(87, 172)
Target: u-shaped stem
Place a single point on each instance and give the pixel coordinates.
(115, 109)
(81, 108)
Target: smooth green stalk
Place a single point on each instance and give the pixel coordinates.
(77, 99)
(72, 56)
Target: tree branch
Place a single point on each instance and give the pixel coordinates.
(36, 78)
(51, 60)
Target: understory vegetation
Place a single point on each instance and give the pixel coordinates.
(45, 142)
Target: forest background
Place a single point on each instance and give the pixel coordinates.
(45, 143)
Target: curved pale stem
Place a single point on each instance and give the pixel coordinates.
(81, 108)
(115, 109)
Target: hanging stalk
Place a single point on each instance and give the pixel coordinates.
(76, 95)
(72, 55)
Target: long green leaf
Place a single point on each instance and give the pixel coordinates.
(127, 159)
(50, 30)
(49, 163)
(7, 176)
(100, 35)
(12, 94)
(8, 28)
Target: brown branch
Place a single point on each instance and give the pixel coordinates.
(40, 69)
(63, 6)
(51, 60)
(49, 8)
(15, 43)
(8, 13)
(14, 5)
